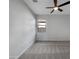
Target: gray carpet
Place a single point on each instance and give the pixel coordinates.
(48, 50)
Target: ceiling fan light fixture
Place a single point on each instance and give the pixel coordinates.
(55, 8)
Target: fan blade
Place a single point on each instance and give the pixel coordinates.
(60, 9)
(68, 2)
(49, 7)
(52, 11)
(55, 3)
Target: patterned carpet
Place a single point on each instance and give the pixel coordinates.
(48, 50)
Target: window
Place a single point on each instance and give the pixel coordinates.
(41, 25)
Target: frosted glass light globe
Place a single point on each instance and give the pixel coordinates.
(56, 8)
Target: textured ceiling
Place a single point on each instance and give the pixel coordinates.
(39, 7)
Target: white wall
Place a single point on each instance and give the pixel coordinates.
(22, 28)
(58, 28)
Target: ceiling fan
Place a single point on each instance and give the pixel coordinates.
(57, 7)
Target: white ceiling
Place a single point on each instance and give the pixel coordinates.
(39, 7)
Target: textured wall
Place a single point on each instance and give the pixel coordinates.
(22, 28)
(58, 28)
